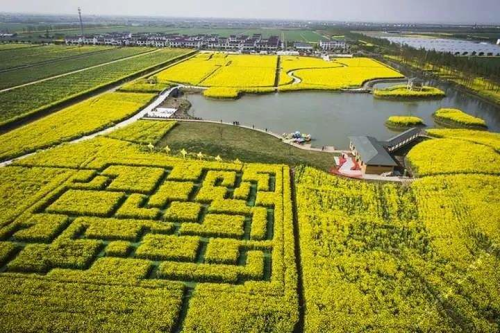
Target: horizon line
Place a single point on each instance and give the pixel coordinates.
(497, 25)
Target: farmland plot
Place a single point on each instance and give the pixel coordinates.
(317, 74)
(242, 72)
(198, 245)
(25, 75)
(23, 101)
(12, 58)
(381, 257)
(71, 123)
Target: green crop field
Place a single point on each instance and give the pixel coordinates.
(30, 99)
(303, 36)
(37, 71)
(12, 27)
(20, 57)
(235, 142)
(13, 46)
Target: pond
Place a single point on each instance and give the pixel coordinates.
(331, 117)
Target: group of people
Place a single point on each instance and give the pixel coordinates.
(237, 123)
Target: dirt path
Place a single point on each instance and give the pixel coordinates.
(278, 73)
(299, 327)
(77, 71)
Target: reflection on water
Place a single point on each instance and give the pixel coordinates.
(330, 117)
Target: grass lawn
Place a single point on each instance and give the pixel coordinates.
(231, 142)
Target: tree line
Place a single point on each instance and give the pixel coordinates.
(468, 67)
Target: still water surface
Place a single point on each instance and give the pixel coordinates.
(331, 117)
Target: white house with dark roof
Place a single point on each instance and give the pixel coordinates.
(303, 47)
(334, 44)
(371, 155)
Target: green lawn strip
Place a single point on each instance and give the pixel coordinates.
(232, 142)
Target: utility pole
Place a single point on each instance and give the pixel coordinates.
(81, 22)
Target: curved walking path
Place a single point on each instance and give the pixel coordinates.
(157, 102)
(328, 149)
(296, 79)
(77, 71)
(108, 130)
(368, 85)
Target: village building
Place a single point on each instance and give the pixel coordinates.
(7, 35)
(304, 47)
(374, 156)
(371, 155)
(334, 44)
(255, 43)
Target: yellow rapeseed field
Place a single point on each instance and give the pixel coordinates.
(318, 74)
(404, 121)
(259, 73)
(451, 156)
(371, 251)
(221, 92)
(455, 117)
(402, 91)
(245, 71)
(490, 139)
(73, 122)
(220, 70)
(167, 241)
(192, 71)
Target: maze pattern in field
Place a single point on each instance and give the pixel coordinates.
(182, 223)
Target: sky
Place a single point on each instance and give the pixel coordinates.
(423, 11)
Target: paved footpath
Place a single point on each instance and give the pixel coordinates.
(157, 102)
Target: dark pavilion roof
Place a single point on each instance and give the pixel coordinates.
(371, 151)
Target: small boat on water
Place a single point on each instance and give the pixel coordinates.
(297, 137)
